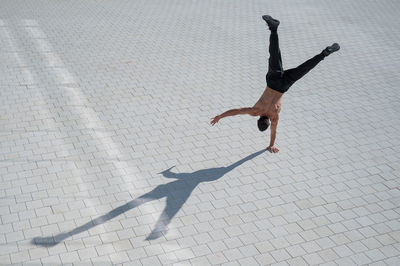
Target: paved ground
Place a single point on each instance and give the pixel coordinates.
(107, 155)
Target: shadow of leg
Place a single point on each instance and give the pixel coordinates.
(54, 240)
(49, 241)
(172, 208)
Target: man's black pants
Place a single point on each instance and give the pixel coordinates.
(279, 79)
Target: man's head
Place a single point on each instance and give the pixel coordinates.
(263, 123)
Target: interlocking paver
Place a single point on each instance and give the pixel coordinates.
(107, 155)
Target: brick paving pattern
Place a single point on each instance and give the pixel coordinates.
(107, 155)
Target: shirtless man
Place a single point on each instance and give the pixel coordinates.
(278, 82)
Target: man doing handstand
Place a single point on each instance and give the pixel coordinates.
(278, 82)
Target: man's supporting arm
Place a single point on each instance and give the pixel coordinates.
(274, 125)
(241, 111)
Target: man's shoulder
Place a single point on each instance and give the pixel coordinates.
(257, 111)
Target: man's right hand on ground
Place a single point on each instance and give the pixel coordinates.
(272, 149)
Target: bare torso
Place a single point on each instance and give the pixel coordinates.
(270, 103)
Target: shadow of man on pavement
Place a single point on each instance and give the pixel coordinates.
(177, 193)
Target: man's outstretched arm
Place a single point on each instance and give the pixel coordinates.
(241, 111)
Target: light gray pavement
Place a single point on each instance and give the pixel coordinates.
(99, 99)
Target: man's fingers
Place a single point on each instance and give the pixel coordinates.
(272, 149)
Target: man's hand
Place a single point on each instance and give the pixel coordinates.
(272, 149)
(215, 120)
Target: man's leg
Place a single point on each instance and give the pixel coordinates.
(292, 75)
(295, 74)
(275, 59)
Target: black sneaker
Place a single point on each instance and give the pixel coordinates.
(272, 23)
(330, 49)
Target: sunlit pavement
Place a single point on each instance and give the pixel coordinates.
(107, 155)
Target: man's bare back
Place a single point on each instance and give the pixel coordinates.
(269, 104)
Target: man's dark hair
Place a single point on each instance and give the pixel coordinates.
(263, 123)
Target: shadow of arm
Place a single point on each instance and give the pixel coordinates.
(168, 174)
